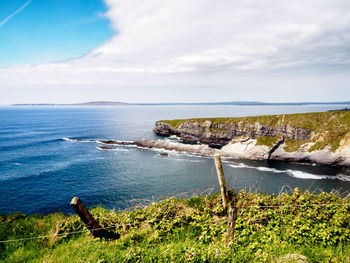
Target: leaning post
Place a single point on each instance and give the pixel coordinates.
(91, 224)
(222, 181)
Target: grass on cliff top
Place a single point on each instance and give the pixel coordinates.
(268, 141)
(329, 127)
(191, 230)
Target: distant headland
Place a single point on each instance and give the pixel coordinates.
(314, 138)
(237, 103)
(319, 137)
(90, 103)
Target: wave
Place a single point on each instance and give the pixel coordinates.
(294, 173)
(72, 140)
(80, 140)
(172, 152)
(161, 151)
(177, 155)
(173, 138)
(305, 175)
(14, 145)
(42, 169)
(343, 177)
(190, 160)
(268, 169)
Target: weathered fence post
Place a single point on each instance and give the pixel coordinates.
(222, 181)
(91, 224)
(231, 220)
(225, 195)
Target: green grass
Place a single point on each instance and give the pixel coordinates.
(268, 141)
(294, 145)
(193, 230)
(329, 128)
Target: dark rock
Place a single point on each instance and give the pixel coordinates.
(105, 148)
(117, 142)
(221, 134)
(275, 147)
(164, 129)
(144, 143)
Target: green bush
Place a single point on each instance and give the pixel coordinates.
(268, 228)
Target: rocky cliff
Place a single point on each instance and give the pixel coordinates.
(221, 134)
(322, 137)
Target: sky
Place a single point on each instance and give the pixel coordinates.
(68, 51)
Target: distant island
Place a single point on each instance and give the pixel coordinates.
(90, 103)
(251, 103)
(237, 103)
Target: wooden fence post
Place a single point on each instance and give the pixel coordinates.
(91, 224)
(222, 181)
(231, 220)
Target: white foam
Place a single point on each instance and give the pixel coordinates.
(173, 138)
(294, 173)
(177, 154)
(113, 149)
(343, 177)
(160, 150)
(189, 160)
(76, 140)
(305, 175)
(173, 153)
(268, 169)
(170, 152)
(240, 165)
(260, 168)
(195, 161)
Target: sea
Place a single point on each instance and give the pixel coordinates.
(42, 167)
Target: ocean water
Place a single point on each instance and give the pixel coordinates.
(41, 169)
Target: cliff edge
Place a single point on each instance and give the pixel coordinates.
(322, 137)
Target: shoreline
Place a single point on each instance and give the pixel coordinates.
(167, 148)
(321, 138)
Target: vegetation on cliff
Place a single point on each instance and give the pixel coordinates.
(268, 141)
(191, 230)
(329, 128)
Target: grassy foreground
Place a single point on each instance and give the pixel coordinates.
(191, 230)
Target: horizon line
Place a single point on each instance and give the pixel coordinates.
(243, 103)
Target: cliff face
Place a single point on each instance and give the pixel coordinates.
(221, 134)
(311, 137)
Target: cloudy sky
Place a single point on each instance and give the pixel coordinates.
(66, 51)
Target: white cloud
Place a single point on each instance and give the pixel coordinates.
(222, 44)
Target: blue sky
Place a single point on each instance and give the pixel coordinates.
(50, 30)
(67, 51)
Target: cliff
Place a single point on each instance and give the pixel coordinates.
(322, 137)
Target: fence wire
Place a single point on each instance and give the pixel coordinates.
(207, 189)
